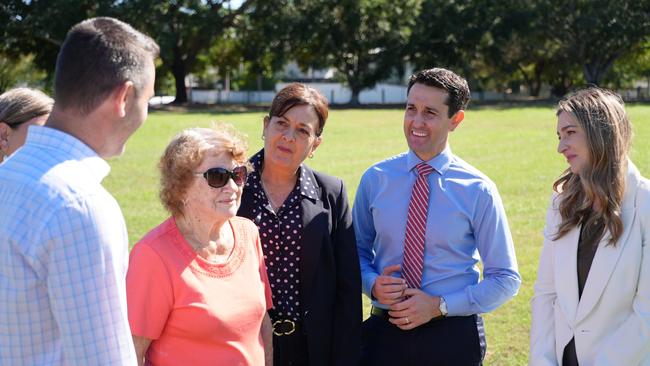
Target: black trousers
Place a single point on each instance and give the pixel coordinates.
(290, 350)
(454, 341)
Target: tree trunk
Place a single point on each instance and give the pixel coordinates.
(535, 88)
(561, 86)
(179, 78)
(179, 71)
(527, 80)
(594, 72)
(537, 79)
(533, 83)
(354, 99)
(591, 74)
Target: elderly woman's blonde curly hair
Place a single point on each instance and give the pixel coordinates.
(186, 152)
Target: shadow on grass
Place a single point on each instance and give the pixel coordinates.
(210, 108)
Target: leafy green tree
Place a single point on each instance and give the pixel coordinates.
(20, 71)
(363, 39)
(595, 33)
(38, 27)
(265, 38)
(184, 29)
(515, 47)
(630, 68)
(450, 34)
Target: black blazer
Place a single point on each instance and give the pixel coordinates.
(330, 279)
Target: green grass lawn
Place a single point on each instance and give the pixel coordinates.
(516, 147)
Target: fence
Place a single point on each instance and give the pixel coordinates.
(337, 93)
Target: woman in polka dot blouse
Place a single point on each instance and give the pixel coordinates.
(307, 237)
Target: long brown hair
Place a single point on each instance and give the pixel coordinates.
(608, 130)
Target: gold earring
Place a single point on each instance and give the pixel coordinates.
(311, 155)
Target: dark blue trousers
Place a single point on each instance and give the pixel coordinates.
(454, 341)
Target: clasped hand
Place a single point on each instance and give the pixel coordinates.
(409, 308)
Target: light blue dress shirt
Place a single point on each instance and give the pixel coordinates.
(63, 259)
(466, 222)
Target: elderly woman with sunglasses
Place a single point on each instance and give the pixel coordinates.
(307, 237)
(197, 286)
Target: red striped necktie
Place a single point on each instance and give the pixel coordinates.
(416, 224)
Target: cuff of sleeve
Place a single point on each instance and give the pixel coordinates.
(456, 304)
(369, 281)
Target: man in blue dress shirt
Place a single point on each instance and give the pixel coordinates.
(438, 322)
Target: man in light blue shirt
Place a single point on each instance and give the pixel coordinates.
(64, 242)
(438, 323)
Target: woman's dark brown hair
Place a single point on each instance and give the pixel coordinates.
(296, 94)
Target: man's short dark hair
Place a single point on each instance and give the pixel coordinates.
(98, 55)
(455, 86)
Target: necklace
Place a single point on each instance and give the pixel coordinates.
(273, 202)
(274, 206)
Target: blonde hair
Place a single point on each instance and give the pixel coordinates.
(186, 152)
(608, 130)
(20, 105)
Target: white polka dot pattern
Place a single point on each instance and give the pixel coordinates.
(280, 234)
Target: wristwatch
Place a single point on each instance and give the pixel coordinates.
(443, 306)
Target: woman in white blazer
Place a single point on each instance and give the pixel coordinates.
(592, 296)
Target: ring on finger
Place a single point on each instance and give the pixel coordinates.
(407, 319)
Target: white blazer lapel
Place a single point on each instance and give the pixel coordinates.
(607, 256)
(566, 275)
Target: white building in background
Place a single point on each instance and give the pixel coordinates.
(336, 93)
(321, 79)
(292, 71)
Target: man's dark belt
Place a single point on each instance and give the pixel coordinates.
(383, 314)
(379, 312)
(285, 327)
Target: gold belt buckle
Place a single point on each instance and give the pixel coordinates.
(289, 332)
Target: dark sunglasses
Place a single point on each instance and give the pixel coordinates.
(218, 177)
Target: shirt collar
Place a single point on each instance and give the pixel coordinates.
(440, 163)
(70, 147)
(306, 184)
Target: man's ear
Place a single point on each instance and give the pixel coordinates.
(456, 119)
(122, 97)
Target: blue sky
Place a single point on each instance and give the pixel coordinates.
(236, 3)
